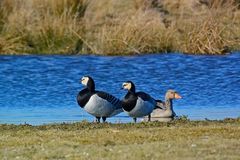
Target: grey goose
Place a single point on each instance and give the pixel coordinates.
(164, 110)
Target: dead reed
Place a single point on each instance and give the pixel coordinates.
(41, 26)
(119, 27)
(214, 32)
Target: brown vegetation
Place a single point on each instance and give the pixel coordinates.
(119, 27)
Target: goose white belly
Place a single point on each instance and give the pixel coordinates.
(159, 119)
(160, 113)
(142, 108)
(99, 107)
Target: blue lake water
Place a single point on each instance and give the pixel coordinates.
(43, 89)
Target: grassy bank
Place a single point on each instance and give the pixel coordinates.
(180, 139)
(119, 27)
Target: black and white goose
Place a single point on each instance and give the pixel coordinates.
(97, 103)
(137, 104)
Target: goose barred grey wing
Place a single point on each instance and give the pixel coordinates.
(146, 97)
(113, 100)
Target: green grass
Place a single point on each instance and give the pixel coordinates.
(180, 139)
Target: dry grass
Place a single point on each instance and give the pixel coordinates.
(178, 139)
(11, 45)
(214, 32)
(119, 27)
(43, 26)
(209, 37)
(135, 35)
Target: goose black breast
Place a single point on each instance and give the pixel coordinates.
(83, 97)
(129, 102)
(113, 100)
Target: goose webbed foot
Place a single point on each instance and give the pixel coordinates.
(104, 119)
(98, 119)
(135, 120)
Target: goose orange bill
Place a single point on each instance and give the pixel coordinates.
(177, 96)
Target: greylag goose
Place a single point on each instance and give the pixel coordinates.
(97, 103)
(137, 104)
(164, 110)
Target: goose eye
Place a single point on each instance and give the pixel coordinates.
(124, 85)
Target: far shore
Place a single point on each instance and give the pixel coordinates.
(129, 27)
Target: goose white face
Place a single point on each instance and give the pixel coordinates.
(84, 81)
(127, 86)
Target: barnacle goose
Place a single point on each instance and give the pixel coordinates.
(97, 103)
(137, 104)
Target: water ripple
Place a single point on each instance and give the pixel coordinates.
(42, 89)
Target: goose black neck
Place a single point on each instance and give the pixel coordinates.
(132, 89)
(91, 85)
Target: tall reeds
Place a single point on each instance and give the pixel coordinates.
(214, 31)
(119, 27)
(41, 26)
(142, 32)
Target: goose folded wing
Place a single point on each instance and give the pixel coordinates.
(160, 104)
(144, 96)
(110, 98)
